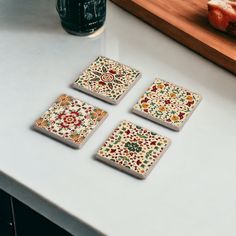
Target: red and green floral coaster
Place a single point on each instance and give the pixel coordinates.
(70, 120)
(167, 104)
(107, 80)
(133, 149)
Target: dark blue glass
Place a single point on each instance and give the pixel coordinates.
(82, 17)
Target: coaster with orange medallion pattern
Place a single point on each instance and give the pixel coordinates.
(107, 80)
(70, 120)
(133, 149)
(167, 104)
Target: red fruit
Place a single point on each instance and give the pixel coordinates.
(222, 15)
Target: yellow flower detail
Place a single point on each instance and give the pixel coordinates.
(162, 108)
(189, 98)
(64, 100)
(174, 118)
(77, 138)
(172, 95)
(160, 86)
(41, 123)
(98, 114)
(145, 105)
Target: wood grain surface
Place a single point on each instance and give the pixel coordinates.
(186, 21)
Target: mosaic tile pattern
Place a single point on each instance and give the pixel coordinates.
(107, 79)
(70, 120)
(167, 104)
(133, 149)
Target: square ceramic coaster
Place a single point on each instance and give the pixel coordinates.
(167, 104)
(70, 120)
(107, 80)
(133, 149)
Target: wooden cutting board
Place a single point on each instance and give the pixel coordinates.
(186, 22)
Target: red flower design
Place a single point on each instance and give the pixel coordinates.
(153, 143)
(167, 101)
(113, 150)
(70, 119)
(138, 162)
(145, 100)
(154, 88)
(107, 77)
(127, 132)
(190, 103)
(181, 115)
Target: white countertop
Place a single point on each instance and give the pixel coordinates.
(192, 190)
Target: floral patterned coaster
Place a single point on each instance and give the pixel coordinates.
(70, 120)
(107, 79)
(167, 104)
(133, 149)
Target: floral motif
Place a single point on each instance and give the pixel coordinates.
(133, 149)
(42, 123)
(167, 103)
(107, 79)
(64, 100)
(98, 114)
(71, 120)
(77, 138)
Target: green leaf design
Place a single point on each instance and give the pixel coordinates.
(121, 75)
(117, 81)
(124, 158)
(110, 85)
(118, 140)
(95, 79)
(97, 73)
(148, 154)
(141, 136)
(104, 69)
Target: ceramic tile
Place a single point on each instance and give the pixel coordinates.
(70, 120)
(167, 104)
(133, 149)
(107, 79)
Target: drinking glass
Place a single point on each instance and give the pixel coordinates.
(82, 17)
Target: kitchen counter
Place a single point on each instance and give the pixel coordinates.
(192, 189)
